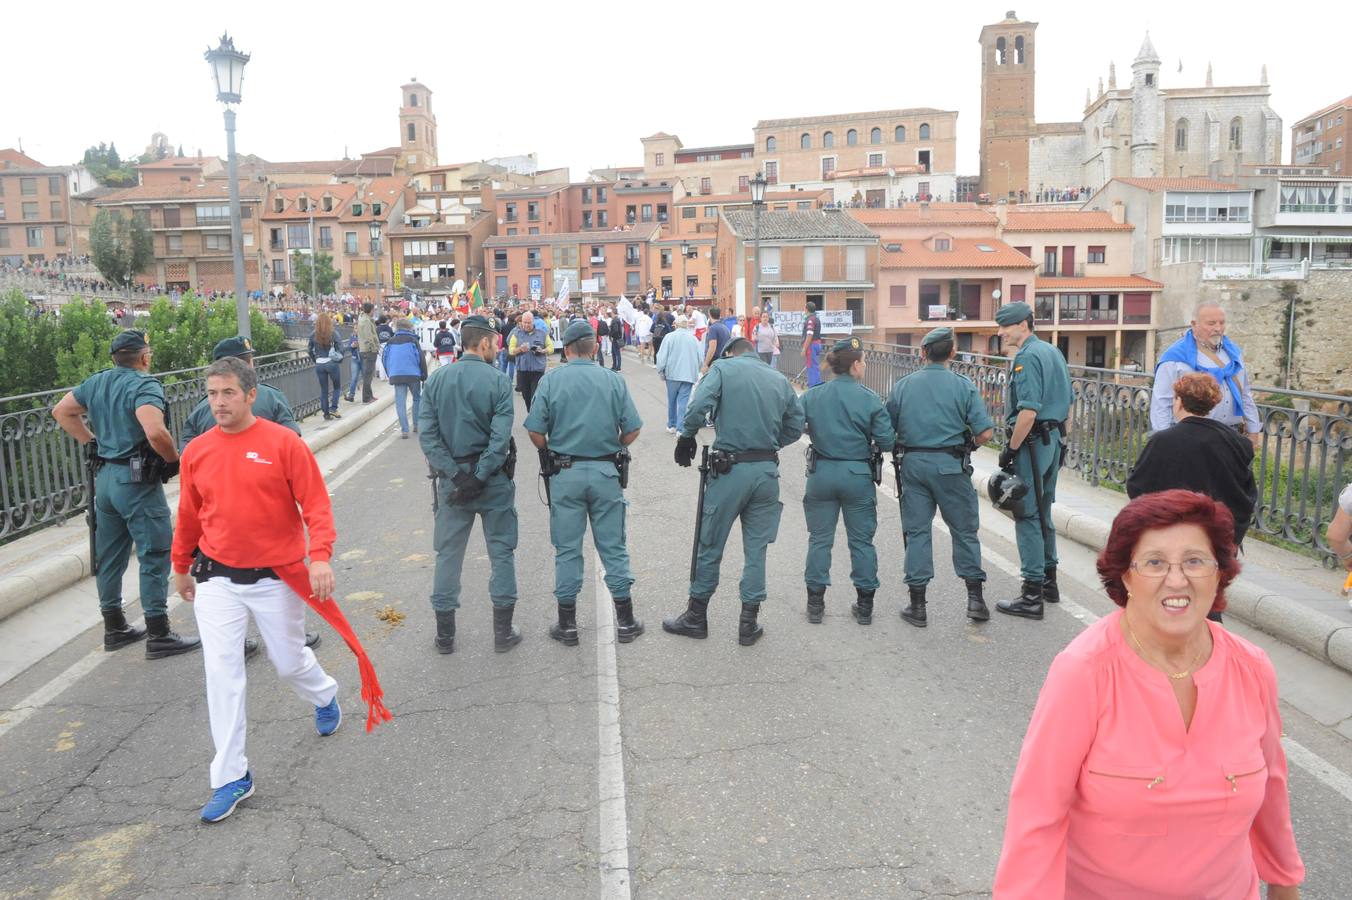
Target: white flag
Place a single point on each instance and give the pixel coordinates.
(625, 310)
(561, 299)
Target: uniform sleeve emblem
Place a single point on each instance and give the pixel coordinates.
(1018, 368)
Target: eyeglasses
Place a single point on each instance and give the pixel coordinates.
(1192, 567)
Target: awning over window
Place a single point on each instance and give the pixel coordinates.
(1307, 238)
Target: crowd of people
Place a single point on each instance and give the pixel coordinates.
(1152, 765)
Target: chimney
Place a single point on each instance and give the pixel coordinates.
(924, 209)
(1002, 215)
(1119, 212)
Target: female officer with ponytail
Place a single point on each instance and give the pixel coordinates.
(845, 421)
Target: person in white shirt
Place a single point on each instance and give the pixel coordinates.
(643, 328)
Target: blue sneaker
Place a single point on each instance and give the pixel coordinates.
(224, 799)
(328, 718)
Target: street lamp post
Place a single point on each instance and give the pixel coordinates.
(757, 201)
(227, 67)
(375, 250)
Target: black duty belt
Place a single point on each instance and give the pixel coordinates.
(741, 456)
(820, 455)
(472, 458)
(205, 567)
(120, 461)
(955, 450)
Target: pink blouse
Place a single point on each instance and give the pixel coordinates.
(1114, 798)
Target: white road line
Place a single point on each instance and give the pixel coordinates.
(613, 843)
(11, 718)
(1330, 775)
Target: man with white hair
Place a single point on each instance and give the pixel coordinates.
(1205, 348)
(678, 364)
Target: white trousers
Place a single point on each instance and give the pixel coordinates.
(222, 609)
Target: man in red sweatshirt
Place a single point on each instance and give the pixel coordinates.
(241, 484)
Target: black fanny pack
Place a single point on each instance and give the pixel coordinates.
(204, 567)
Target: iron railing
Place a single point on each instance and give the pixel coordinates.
(42, 468)
(1302, 463)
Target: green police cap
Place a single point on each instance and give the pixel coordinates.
(131, 339)
(479, 322)
(937, 335)
(576, 331)
(1013, 313)
(236, 346)
(732, 344)
(849, 343)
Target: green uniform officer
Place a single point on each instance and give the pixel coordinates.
(125, 407)
(940, 418)
(465, 429)
(755, 412)
(581, 418)
(271, 403)
(1038, 411)
(845, 421)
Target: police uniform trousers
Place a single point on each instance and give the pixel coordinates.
(930, 480)
(749, 491)
(497, 507)
(129, 513)
(588, 491)
(1034, 557)
(835, 487)
(222, 609)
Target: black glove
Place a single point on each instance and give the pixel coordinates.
(685, 451)
(169, 471)
(1007, 458)
(467, 487)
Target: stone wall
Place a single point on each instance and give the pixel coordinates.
(1055, 161)
(1257, 317)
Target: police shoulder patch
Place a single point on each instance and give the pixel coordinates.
(1018, 368)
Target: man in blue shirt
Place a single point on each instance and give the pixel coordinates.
(715, 339)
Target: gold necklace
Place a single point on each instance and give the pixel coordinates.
(1176, 676)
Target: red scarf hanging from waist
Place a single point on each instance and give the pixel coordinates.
(297, 577)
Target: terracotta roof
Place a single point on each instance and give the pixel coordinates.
(1065, 220)
(770, 197)
(388, 151)
(936, 214)
(701, 239)
(718, 148)
(1098, 283)
(1190, 183)
(857, 117)
(373, 166)
(215, 189)
(13, 159)
(635, 235)
(179, 162)
(1341, 104)
(785, 225)
(342, 194)
(542, 190)
(379, 190)
(965, 254)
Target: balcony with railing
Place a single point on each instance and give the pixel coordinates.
(798, 272)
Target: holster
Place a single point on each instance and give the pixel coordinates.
(622, 460)
(509, 464)
(875, 463)
(810, 456)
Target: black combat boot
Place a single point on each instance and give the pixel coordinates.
(692, 622)
(976, 604)
(626, 626)
(505, 634)
(116, 632)
(1050, 592)
(162, 642)
(1027, 605)
(862, 608)
(816, 604)
(748, 630)
(565, 630)
(915, 613)
(445, 639)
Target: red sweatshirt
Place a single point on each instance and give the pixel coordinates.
(237, 499)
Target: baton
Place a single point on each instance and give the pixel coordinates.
(91, 514)
(699, 508)
(1037, 491)
(896, 467)
(434, 478)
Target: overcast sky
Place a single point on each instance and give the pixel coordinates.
(579, 83)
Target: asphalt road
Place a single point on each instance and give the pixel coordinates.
(826, 761)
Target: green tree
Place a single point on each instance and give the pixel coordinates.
(83, 335)
(325, 275)
(183, 336)
(27, 347)
(107, 166)
(121, 245)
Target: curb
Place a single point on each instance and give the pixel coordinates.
(70, 565)
(1317, 634)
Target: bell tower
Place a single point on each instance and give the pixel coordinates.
(1007, 119)
(417, 129)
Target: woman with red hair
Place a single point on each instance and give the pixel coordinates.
(1153, 764)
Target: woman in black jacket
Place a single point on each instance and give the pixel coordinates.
(1199, 454)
